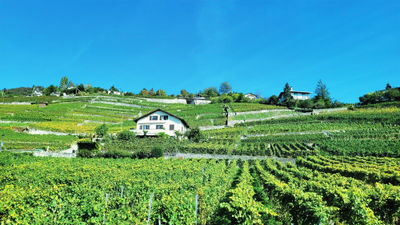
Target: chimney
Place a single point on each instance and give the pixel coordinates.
(291, 88)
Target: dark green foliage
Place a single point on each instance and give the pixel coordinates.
(126, 135)
(195, 135)
(157, 152)
(50, 89)
(101, 130)
(225, 88)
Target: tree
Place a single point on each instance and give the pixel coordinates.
(273, 100)
(113, 89)
(81, 87)
(64, 83)
(184, 93)
(388, 86)
(151, 92)
(321, 91)
(210, 92)
(287, 95)
(305, 104)
(144, 92)
(101, 130)
(195, 135)
(50, 89)
(225, 88)
(161, 92)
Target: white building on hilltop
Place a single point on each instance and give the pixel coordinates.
(297, 95)
(159, 121)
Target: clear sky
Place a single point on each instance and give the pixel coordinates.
(255, 45)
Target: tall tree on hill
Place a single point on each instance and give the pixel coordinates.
(210, 92)
(388, 86)
(144, 92)
(184, 93)
(64, 83)
(225, 88)
(151, 92)
(321, 91)
(287, 95)
(161, 92)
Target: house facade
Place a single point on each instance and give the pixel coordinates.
(159, 121)
(297, 95)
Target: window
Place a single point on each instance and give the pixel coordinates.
(171, 127)
(146, 127)
(153, 117)
(159, 127)
(163, 117)
(141, 127)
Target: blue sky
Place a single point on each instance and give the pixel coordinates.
(257, 46)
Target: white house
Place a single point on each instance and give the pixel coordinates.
(297, 95)
(251, 96)
(158, 121)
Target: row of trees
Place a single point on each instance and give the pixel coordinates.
(388, 95)
(320, 100)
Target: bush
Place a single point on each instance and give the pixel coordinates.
(87, 144)
(85, 153)
(157, 152)
(195, 135)
(126, 135)
(101, 130)
(163, 135)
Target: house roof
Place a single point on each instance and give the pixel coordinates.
(147, 114)
(301, 92)
(251, 94)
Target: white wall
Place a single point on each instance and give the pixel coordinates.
(178, 125)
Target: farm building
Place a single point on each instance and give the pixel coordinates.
(159, 121)
(297, 95)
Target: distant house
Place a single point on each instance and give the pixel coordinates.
(297, 95)
(114, 93)
(198, 100)
(37, 93)
(251, 96)
(158, 121)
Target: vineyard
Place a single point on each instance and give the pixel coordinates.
(341, 167)
(320, 189)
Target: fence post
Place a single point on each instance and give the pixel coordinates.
(151, 200)
(195, 209)
(104, 213)
(122, 191)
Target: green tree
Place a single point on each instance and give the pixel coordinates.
(101, 130)
(321, 91)
(388, 86)
(273, 100)
(195, 135)
(184, 93)
(64, 83)
(151, 92)
(225, 88)
(210, 92)
(144, 92)
(50, 89)
(287, 95)
(161, 92)
(113, 89)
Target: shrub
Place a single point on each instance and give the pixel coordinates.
(101, 130)
(157, 152)
(163, 135)
(195, 135)
(126, 135)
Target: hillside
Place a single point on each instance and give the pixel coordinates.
(330, 166)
